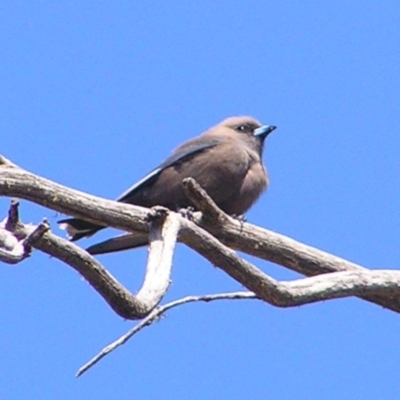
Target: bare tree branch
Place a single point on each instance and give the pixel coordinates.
(163, 233)
(210, 232)
(16, 241)
(245, 237)
(283, 294)
(274, 247)
(164, 228)
(16, 182)
(155, 316)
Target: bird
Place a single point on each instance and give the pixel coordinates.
(226, 160)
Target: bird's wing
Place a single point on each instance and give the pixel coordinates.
(182, 153)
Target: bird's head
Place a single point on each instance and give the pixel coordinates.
(248, 129)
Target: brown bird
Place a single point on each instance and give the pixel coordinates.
(226, 161)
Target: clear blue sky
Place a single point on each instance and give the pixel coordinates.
(94, 95)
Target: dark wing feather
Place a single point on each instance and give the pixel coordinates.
(182, 153)
(78, 228)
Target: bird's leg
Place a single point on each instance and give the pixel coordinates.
(241, 219)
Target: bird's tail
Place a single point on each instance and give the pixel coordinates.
(78, 228)
(122, 242)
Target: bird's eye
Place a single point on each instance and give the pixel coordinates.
(242, 128)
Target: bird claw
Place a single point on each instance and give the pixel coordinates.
(241, 218)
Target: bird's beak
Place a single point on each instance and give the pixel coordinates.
(263, 131)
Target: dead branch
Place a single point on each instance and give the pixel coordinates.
(376, 286)
(210, 232)
(155, 315)
(16, 240)
(163, 233)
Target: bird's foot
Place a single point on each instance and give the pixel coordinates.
(241, 218)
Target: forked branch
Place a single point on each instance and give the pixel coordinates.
(210, 232)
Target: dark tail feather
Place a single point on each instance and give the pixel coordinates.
(78, 228)
(123, 242)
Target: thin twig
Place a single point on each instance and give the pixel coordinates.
(155, 315)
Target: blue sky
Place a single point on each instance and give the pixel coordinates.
(94, 96)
